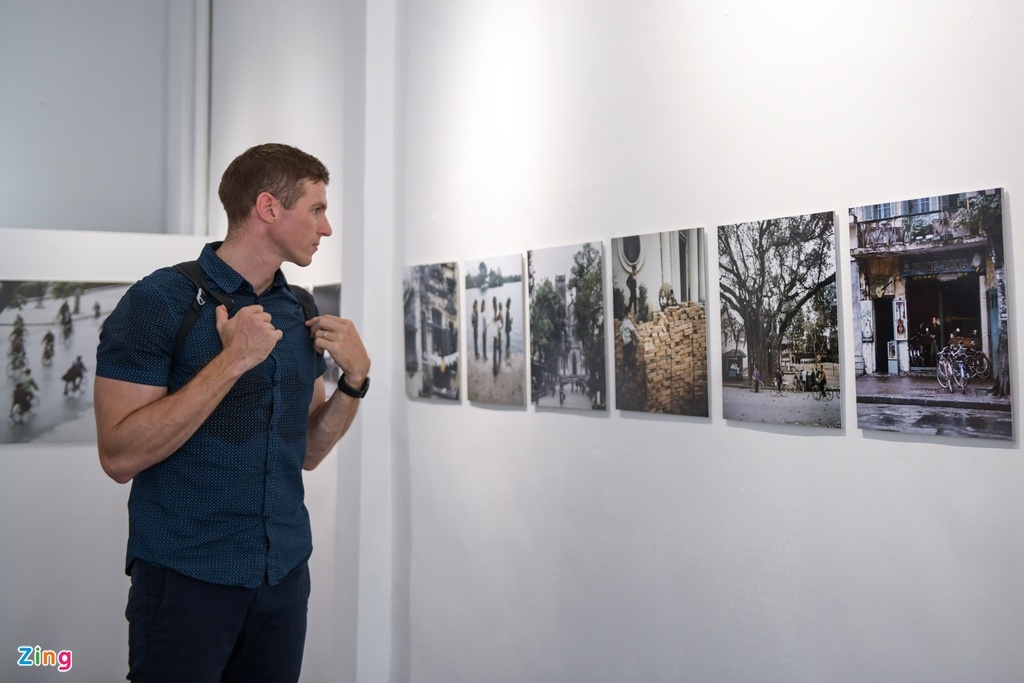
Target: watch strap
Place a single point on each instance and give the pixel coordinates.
(347, 389)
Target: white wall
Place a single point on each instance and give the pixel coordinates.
(552, 547)
(98, 114)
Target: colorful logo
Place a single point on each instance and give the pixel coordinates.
(37, 656)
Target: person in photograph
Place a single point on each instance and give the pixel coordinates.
(476, 322)
(496, 355)
(215, 438)
(629, 336)
(483, 324)
(508, 330)
(24, 393)
(49, 340)
(632, 306)
(499, 321)
(757, 380)
(73, 377)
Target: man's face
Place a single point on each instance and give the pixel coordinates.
(300, 228)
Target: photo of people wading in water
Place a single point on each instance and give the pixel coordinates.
(495, 361)
(51, 330)
(929, 318)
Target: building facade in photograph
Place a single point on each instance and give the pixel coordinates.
(431, 331)
(666, 266)
(926, 272)
(660, 281)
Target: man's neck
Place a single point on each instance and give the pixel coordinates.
(249, 259)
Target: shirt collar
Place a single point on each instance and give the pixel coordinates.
(226, 277)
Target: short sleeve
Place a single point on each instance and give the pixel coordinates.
(137, 339)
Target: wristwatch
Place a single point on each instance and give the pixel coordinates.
(347, 389)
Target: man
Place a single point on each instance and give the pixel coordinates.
(21, 403)
(215, 437)
(629, 335)
(73, 377)
(632, 306)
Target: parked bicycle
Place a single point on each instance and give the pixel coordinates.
(978, 364)
(951, 369)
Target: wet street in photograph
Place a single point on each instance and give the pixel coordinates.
(790, 408)
(916, 404)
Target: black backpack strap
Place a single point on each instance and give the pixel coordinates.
(194, 273)
(305, 298)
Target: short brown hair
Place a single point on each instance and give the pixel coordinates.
(278, 169)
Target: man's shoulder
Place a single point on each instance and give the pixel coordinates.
(164, 291)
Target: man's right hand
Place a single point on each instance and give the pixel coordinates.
(249, 336)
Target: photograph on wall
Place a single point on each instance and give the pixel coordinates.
(431, 312)
(659, 289)
(930, 316)
(328, 302)
(567, 345)
(779, 317)
(495, 357)
(52, 330)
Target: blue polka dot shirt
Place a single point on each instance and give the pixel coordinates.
(227, 507)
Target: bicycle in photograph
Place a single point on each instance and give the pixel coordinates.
(978, 364)
(951, 370)
(824, 392)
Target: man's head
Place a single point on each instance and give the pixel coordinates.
(275, 168)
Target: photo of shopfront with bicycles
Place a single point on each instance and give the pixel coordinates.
(930, 316)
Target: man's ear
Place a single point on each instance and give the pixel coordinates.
(266, 207)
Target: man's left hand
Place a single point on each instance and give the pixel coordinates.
(339, 337)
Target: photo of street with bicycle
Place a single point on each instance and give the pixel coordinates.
(930, 316)
(52, 329)
(780, 336)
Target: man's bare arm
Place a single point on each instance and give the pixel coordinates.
(329, 420)
(139, 425)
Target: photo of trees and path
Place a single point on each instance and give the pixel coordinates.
(567, 352)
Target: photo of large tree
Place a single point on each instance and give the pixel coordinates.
(778, 297)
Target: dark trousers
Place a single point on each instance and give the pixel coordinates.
(181, 629)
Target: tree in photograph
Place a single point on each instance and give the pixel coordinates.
(769, 270)
(547, 327)
(984, 215)
(10, 294)
(824, 331)
(588, 311)
(732, 328)
(798, 334)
